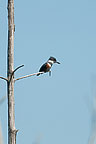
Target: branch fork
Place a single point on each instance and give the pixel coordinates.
(12, 74)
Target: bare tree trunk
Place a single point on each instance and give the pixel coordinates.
(10, 83)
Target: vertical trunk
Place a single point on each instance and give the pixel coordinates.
(10, 83)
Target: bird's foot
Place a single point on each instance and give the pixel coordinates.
(49, 73)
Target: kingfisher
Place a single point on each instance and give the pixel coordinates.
(46, 67)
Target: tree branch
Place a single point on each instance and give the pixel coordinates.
(4, 78)
(15, 70)
(29, 75)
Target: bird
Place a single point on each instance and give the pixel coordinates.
(46, 67)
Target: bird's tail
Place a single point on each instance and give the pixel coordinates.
(38, 74)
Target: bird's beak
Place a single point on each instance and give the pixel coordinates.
(57, 62)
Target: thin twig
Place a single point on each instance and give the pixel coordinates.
(29, 75)
(15, 71)
(4, 78)
(17, 68)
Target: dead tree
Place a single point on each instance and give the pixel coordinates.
(10, 68)
(10, 75)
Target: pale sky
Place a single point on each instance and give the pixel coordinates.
(56, 109)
